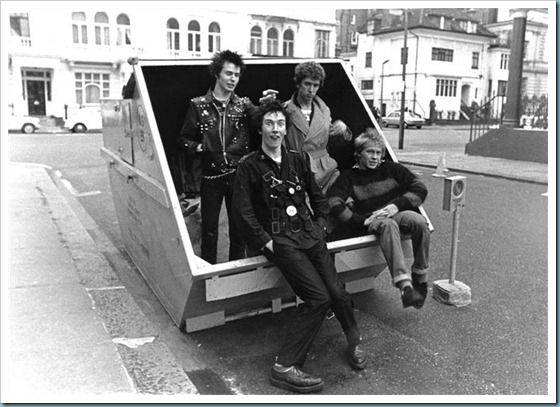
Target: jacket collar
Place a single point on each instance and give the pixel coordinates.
(208, 98)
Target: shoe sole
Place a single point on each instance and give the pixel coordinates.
(357, 366)
(292, 387)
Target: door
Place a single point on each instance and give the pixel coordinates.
(36, 98)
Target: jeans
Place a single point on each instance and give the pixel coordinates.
(212, 193)
(312, 276)
(389, 230)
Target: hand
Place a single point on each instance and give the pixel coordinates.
(268, 94)
(269, 246)
(387, 212)
(339, 127)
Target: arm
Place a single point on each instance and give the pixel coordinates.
(339, 128)
(190, 136)
(413, 193)
(244, 211)
(339, 194)
(318, 201)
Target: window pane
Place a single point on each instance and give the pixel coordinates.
(84, 35)
(172, 23)
(98, 35)
(92, 94)
(123, 19)
(101, 18)
(79, 96)
(194, 26)
(75, 37)
(79, 16)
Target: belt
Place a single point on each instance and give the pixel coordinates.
(317, 153)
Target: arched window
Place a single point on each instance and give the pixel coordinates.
(321, 44)
(79, 28)
(172, 34)
(193, 33)
(123, 30)
(214, 37)
(91, 87)
(272, 41)
(101, 29)
(288, 44)
(256, 40)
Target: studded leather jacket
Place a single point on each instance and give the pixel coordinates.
(270, 202)
(224, 138)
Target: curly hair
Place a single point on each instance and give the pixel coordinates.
(268, 106)
(310, 70)
(370, 135)
(220, 58)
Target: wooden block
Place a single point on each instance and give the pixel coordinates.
(205, 321)
(457, 294)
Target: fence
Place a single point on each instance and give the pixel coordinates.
(490, 114)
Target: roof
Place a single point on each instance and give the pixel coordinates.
(455, 20)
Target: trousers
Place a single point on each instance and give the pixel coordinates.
(389, 230)
(313, 278)
(212, 194)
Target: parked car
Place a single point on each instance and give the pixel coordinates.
(25, 124)
(410, 120)
(84, 119)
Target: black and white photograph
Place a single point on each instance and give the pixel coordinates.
(278, 202)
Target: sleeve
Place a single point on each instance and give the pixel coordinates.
(190, 136)
(413, 191)
(318, 201)
(244, 212)
(339, 194)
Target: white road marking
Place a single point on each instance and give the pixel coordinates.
(73, 190)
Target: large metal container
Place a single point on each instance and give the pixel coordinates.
(147, 172)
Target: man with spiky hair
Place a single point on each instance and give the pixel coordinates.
(216, 132)
(270, 204)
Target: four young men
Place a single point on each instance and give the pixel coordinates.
(277, 208)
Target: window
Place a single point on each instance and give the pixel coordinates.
(101, 27)
(123, 30)
(442, 54)
(288, 43)
(91, 87)
(193, 36)
(446, 87)
(214, 37)
(354, 38)
(525, 48)
(489, 87)
(367, 85)
(368, 59)
(272, 41)
(19, 24)
(321, 44)
(79, 28)
(504, 61)
(172, 34)
(404, 55)
(256, 40)
(502, 88)
(475, 58)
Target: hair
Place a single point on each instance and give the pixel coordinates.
(370, 135)
(268, 106)
(310, 70)
(220, 58)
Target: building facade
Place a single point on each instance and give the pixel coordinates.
(455, 57)
(63, 58)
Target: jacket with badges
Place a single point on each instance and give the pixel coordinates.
(269, 201)
(224, 139)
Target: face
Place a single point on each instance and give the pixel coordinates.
(228, 78)
(273, 130)
(370, 157)
(308, 88)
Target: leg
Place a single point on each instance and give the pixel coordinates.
(306, 283)
(413, 223)
(211, 196)
(341, 303)
(387, 230)
(341, 300)
(236, 241)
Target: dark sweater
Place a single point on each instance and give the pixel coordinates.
(357, 193)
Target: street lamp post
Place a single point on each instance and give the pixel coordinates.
(404, 58)
(381, 96)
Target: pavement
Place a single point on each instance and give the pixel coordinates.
(72, 332)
